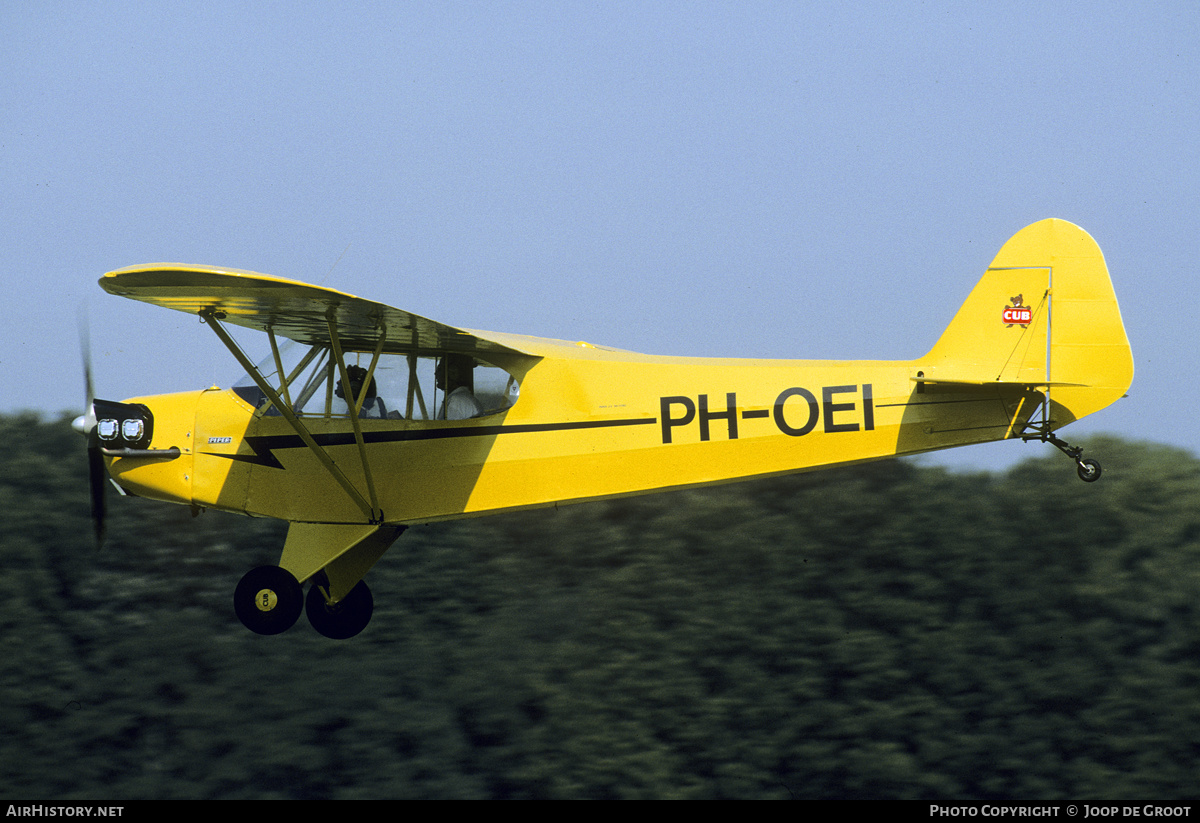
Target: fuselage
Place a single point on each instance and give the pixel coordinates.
(589, 423)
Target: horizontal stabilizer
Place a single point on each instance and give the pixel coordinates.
(969, 382)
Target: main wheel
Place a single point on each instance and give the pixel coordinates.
(1089, 471)
(342, 619)
(268, 600)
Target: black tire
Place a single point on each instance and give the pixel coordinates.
(343, 619)
(1089, 471)
(268, 600)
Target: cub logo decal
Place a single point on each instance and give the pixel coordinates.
(1017, 314)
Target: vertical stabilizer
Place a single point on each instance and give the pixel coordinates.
(1043, 315)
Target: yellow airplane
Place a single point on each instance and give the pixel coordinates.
(362, 419)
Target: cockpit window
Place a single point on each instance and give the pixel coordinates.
(400, 387)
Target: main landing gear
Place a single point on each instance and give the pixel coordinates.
(1088, 470)
(269, 599)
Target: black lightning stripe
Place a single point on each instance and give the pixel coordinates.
(264, 447)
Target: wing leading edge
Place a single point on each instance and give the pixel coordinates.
(294, 310)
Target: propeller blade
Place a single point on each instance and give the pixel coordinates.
(85, 344)
(97, 480)
(86, 425)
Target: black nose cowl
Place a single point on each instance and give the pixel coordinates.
(123, 425)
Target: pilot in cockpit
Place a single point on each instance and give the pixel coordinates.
(372, 405)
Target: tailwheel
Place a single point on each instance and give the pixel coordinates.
(1089, 471)
(268, 600)
(343, 619)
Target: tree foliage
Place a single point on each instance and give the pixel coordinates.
(887, 630)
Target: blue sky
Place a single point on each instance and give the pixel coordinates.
(731, 179)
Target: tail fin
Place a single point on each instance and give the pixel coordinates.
(1044, 316)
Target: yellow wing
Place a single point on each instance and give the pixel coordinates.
(294, 310)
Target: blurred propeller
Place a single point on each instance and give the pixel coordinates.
(85, 424)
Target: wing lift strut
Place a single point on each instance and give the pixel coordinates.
(368, 505)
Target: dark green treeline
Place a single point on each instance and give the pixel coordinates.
(885, 631)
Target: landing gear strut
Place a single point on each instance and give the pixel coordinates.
(1088, 470)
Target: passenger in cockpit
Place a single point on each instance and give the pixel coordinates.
(455, 377)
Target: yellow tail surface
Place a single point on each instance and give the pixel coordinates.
(1044, 315)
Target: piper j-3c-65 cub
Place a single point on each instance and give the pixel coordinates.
(363, 419)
